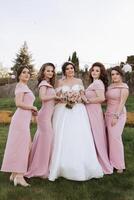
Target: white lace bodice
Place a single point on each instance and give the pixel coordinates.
(67, 88)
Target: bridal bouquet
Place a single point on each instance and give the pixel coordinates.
(71, 98)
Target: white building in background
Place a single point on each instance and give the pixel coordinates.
(127, 68)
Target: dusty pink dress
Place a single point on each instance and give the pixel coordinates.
(116, 149)
(42, 143)
(98, 127)
(19, 139)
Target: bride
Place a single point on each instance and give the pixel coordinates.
(74, 156)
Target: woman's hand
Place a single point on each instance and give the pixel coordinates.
(114, 121)
(34, 108)
(34, 111)
(57, 97)
(84, 99)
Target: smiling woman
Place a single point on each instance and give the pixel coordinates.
(72, 133)
(40, 153)
(16, 156)
(95, 94)
(116, 97)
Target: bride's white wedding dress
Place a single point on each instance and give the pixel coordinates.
(74, 156)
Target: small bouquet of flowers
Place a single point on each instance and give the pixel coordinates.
(71, 98)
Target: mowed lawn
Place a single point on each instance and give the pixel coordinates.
(9, 104)
(111, 187)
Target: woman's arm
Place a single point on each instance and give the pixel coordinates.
(100, 97)
(123, 98)
(19, 102)
(43, 96)
(82, 92)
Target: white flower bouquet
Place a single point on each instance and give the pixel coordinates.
(71, 98)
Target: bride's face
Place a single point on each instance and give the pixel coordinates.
(69, 72)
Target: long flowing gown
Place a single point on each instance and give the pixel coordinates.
(116, 148)
(42, 144)
(98, 127)
(74, 156)
(19, 139)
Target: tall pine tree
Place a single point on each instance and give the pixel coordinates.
(23, 58)
(74, 59)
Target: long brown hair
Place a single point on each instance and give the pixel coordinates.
(103, 73)
(19, 71)
(41, 73)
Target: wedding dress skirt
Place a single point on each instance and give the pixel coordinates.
(74, 155)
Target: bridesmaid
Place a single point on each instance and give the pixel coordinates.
(115, 116)
(42, 143)
(18, 143)
(95, 95)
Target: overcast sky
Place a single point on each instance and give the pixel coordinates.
(98, 30)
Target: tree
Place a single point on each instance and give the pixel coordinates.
(74, 59)
(3, 71)
(122, 64)
(130, 60)
(23, 58)
(69, 59)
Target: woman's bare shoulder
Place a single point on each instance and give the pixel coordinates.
(78, 81)
(59, 83)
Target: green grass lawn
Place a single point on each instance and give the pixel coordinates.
(111, 187)
(130, 104)
(8, 104)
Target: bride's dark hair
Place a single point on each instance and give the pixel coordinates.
(64, 66)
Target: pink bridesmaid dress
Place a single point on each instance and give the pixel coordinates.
(19, 139)
(116, 149)
(42, 143)
(98, 126)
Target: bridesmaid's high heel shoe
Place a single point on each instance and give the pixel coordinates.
(11, 178)
(19, 180)
(119, 171)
